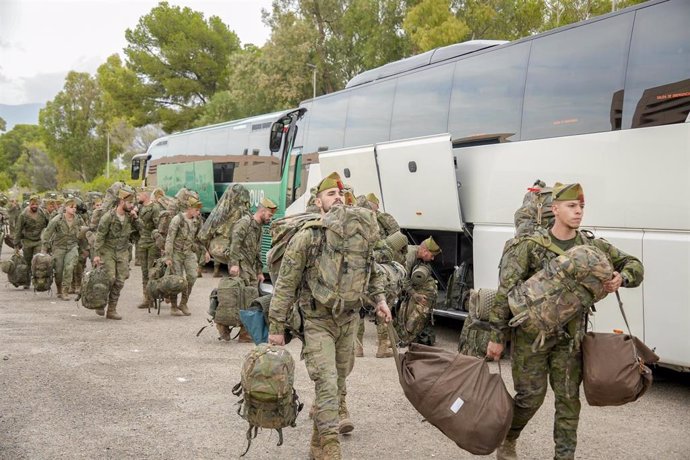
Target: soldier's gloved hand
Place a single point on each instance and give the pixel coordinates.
(383, 311)
(494, 351)
(276, 339)
(235, 270)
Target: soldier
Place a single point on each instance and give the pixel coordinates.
(560, 359)
(13, 211)
(61, 238)
(328, 330)
(148, 252)
(30, 224)
(180, 246)
(3, 219)
(115, 234)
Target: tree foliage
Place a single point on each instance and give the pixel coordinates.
(180, 60)
(431, 24)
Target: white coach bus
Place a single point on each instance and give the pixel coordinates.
(451, 139)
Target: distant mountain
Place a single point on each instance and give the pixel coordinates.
(23, 114)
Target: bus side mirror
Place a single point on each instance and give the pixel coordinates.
(276, 136)
(136, 169)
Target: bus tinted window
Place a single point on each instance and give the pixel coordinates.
(657, 89)
(487, 94)
(573, 77)
(327, 123)
(421, 103)
(369, 114)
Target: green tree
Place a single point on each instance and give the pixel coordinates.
(431, 24)
(34, 169)
(15, 142)
(563, 12)
(74, 128)
(3, 124)
(180, 60)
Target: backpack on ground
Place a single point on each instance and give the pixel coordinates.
(457, 394)
(269, 399)
(282, 231)
(42, 272)
(95, 287)
(476, 330)
(565, 288)
(340, 274)
(294, 325)
(232, 296)
(17, 271)
(614, 367)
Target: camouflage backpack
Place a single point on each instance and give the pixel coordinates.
(95, 287)
(476, 330)
(232, 295)
(17, 271)
(340, 274)
(267, 386)
(535, 212)
(109, 202)
(41, 272)
(414, 312)
(282, 231)
(216, 231)
(566, 287)
(166, 286)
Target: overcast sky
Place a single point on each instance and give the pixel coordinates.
(42, 40)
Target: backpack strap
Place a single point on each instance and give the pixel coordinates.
(544, 241)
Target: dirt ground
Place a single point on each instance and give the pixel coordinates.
(74, 385)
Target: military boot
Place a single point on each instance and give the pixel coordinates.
(198, 272)
(345, 425)
(62, 293)
(507, 450)
(244, 336)
(330, 449)
(216, 270)
(174, 311)
(359, 349)
(146, 302)
(224, 332)
(100, 311)
(112, 312)
(384, 350)
(183, 303)
(315, 452)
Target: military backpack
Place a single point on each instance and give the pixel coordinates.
(95, 288)
(166, 284)
(535, 212)
(231, 296)
(414, 312)
(282, 231)
(17, 271)
(269, 399)
(42, 272)
(216, 232)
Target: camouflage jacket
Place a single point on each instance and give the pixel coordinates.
(13, 212)
(245, 244)
(59, 234)
(182, 236)
(30, 225)
(149, 215)
(292, 284)
(523, 257)
(387, 224)
(114, 235)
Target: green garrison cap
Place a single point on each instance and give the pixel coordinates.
(193, 202)
(432, 246)
(331, 181)
(268, 204)
(371, 197)
(567, 192)
(34, 199)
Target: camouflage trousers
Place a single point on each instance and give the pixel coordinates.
(116, 264)
(560, 360)
(65, 261)
(147, 255)
(328, 355)
(185, 263)
(29, 248)
(79, 269)
(381, 330)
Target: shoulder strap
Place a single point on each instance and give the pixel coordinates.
(545, 241)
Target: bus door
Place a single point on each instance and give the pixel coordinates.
(356, 167)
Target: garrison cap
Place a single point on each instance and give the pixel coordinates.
(193, 202)
(34, 199)
(371, 197)
(567, 192)
(70, 201)
(432, 246)
(331, 181)
(268, 204)
(125, 194)
(158, 192)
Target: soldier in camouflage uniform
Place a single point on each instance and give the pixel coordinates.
(244, 253)
(147, 251)
(328, 332)
(427, 291)
(61, 238)
(3, 220)
(387, 226)
(13, 211)
(30, 224)
(117, 230)
(560, 359)
(180, 250)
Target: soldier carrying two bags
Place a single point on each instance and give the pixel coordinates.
(558, 358)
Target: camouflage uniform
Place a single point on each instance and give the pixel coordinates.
(428, 289)
(245, 249)
(147, 251)
(29, 228)
(560, 359)
(13, 211)
(180, 247)
(328, 331)
(62, 239)
(114, 238)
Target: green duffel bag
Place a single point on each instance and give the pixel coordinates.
(232, 296)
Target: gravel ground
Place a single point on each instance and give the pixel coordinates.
(74, 385)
